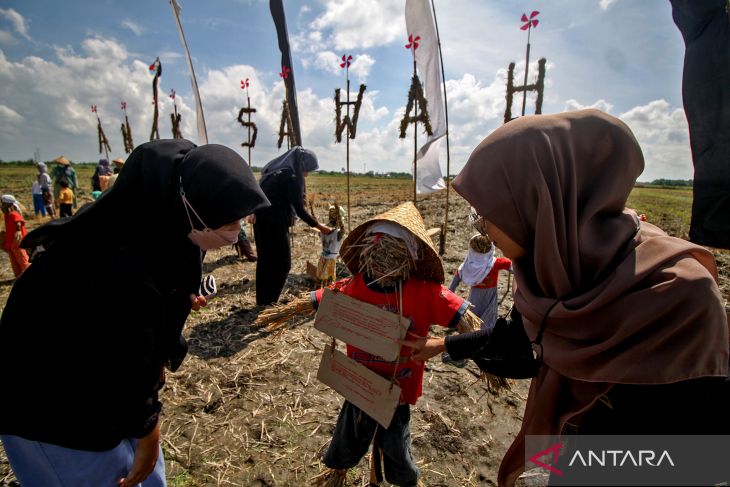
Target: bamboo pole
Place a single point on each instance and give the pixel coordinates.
(442, 242)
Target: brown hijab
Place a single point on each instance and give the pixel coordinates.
(635, 305)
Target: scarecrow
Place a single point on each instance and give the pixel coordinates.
(395, 267)
(327, 265)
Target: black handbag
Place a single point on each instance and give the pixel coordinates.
(509, 352)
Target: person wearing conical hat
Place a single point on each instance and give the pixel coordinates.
(118, 165)
(64, 172)
(396, 267)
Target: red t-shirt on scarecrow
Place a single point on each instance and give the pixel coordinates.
(424, 303)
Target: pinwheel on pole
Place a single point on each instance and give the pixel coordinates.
(286, 128)
(103, 141)
(247, 110)
(530, 22)
(347, 122)
(126, 131)
(175, 117)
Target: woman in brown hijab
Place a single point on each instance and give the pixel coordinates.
(638, 320)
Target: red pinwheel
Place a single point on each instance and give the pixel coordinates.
(345, 61)
(124, 105)
(172, 93)
(93, 108)
(285, 72)
(531, 22)
(413, 42)
(244, 84)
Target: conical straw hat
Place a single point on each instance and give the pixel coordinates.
(62, 161)
(428, 265)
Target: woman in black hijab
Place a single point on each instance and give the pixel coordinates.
(282, 180)
(82, 372)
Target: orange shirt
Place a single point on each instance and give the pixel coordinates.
(66, 196)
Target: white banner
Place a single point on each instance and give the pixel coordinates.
(202, 132)
(419, 22)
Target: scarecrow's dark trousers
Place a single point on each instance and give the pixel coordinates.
(274, 260)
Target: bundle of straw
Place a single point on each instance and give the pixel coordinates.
(330, 478)
(469, 322)
(495, 383)
(480, 243)
(279, 315)
(385, 258)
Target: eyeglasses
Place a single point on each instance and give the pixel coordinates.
(477, 221)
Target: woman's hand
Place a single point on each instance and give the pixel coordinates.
(424, 348)
(325, 229)
(251, 218)
(198, 302)
(145, 459)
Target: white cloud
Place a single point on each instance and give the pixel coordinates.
(360, 24)
(329, 62)
(663, 134)
(9, 115)
(17, 20)
(133, 26)
(361, 66)
(603, 105)
(606, 3)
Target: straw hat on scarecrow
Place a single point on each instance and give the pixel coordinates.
(407, 249)
(62, 161)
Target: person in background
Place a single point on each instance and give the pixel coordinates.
(65, 200)
(38, 206)
(14, 233)
(64, 172)
(100, 179)
(635, 332)
(118, 164)
(282, 180)
(243, 246)
(95, 419)
(480, 271)
(45, 181)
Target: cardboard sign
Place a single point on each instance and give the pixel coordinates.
(374, 394)
(360, 324)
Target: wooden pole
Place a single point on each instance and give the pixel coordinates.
(248, 107)
(442, 241)
(527, 65)
(415, 137)
(347, 146)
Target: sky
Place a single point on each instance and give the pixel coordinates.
(58, 58)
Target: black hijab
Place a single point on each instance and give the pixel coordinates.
(297, 160)
(143, 214)
(217, 182)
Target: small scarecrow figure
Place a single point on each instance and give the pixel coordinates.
(395, 267)
(327, 265)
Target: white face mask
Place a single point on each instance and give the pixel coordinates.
(207, 238)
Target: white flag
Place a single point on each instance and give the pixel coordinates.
(202, 132)
(419, 22)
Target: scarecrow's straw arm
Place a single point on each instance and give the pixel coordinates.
(280, 315)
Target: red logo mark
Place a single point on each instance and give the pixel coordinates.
(555, 450)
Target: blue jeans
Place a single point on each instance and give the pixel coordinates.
(38, 464)
(38, 205)
(354, 433)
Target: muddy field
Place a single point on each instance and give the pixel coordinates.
(246, 408)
